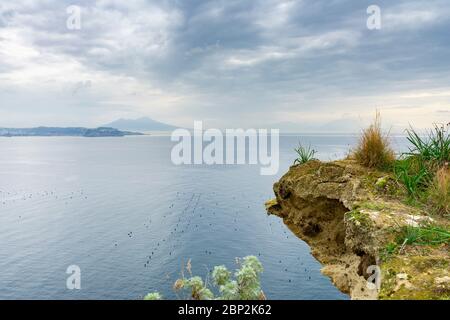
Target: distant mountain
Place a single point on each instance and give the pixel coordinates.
(72, 132)
(141, 124)
(344, 125)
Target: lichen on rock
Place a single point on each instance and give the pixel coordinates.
(348, 215)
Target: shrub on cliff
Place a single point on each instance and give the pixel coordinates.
(435, 148)
(427, 176)
(304, 154)
(439, 191)
(413, 174)
(373, 149)
(245, 285)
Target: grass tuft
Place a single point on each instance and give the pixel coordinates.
(304, 154)
(426, 235)
(413, 174)
(434, 148)
(373, 149)
(439, 191)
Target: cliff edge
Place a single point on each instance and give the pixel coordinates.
(354, 218)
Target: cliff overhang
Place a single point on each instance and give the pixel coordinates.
(349, 215)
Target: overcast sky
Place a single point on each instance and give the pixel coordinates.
(307, 64)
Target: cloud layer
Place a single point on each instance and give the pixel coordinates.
(299, 64)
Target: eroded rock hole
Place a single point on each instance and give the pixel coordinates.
(322, 218)
(312, 229)
(366, 261)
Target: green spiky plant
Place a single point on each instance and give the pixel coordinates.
(435, 147)
(423, 235)
(304, 154)
(424, 168)
(413, 175)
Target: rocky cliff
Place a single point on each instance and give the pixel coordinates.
(351, 218)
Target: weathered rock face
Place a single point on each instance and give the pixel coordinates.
(347, 215)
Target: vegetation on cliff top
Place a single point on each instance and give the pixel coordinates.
(423, 172)
(405, 207)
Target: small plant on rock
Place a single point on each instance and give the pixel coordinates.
(304, 154)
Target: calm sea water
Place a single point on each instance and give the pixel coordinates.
(120, 210)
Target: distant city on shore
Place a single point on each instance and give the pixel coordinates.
(118, 128)
(72, 132)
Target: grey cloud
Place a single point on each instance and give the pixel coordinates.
(80, 86)
(251, 58)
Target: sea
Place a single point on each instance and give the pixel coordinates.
(130, 220)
